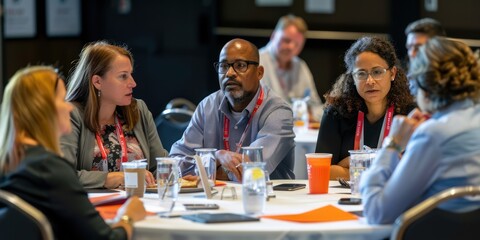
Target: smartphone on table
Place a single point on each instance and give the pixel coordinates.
(219, 218)
(289, 186)
(350, 201)
(200, 206)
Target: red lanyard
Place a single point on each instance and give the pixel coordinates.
(226, 125)
(121, 139)
(387, 124)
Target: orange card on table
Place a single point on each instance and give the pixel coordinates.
(108, 211)
(328, 213)
(220, 183)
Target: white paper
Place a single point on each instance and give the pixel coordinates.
(63, 17)
(273, 3)
(20, 18)
(320, 6)
(131, 179)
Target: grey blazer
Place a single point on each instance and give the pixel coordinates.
(78, 146)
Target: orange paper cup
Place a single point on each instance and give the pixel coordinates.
(318, 166)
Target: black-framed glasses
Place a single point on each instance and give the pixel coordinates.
(377, 74)
(239, 66)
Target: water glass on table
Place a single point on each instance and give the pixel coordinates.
(209, 162)
(300, 114)
(168, 181)
(360, 160)
(252, 154)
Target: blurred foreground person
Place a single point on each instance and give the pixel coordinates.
(418, 33)
(34, 114)
(441, 139)
(285, 73)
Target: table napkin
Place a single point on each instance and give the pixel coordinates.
(328, 213)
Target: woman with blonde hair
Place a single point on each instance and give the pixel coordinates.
(109, 125)
(34, 114)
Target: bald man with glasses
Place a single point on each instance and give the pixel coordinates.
(242, 113)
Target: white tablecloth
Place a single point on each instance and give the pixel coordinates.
(154, 227)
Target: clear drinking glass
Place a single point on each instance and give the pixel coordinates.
(269, 184)
(360, 160)
(300, 114)
(252, 154)
(209, 162)
(168, 181)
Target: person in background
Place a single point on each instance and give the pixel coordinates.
(441, 139)
(362, 101)
(285, 73)
(418, 33)
(109, 125)
(241, 113)
(34, 114)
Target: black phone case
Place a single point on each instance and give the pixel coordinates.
(219, 218)
(350, 201)
(286, 187)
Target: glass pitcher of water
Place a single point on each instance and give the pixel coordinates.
(254, 192)
(252, 158)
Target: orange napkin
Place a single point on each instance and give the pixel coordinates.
(220, 183)
(108, 211)
(328, 213)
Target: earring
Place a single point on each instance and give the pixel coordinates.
(99, 93)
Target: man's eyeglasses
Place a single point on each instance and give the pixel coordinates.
(376, 73)
(239, 66)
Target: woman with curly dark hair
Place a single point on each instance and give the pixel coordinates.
(442, 138)
(360, 106)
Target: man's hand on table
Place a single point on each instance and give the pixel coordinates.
(230, 161)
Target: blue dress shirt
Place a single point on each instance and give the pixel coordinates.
(443, 152)
(271, 127)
